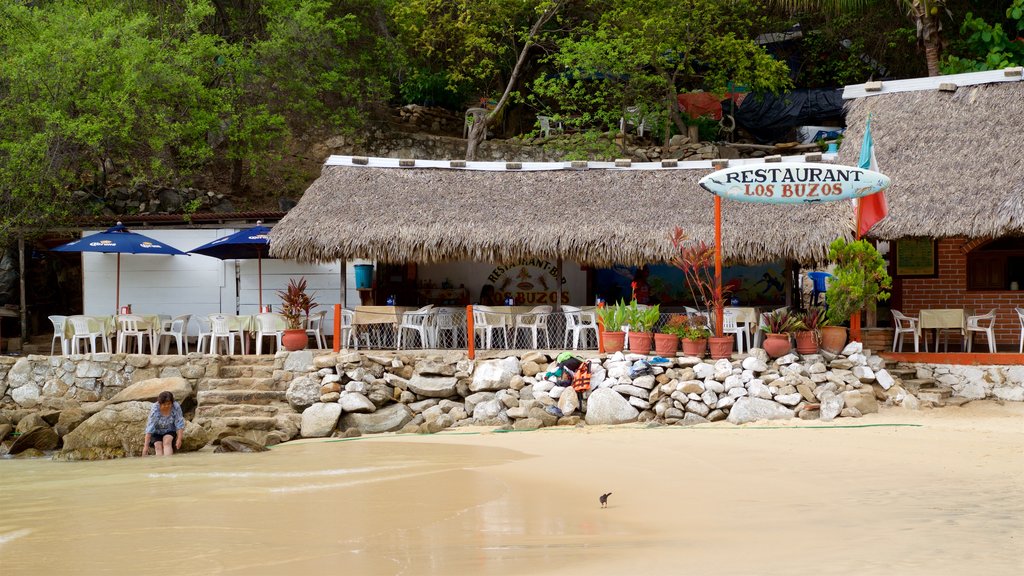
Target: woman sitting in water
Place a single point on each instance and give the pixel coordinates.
(165, 427)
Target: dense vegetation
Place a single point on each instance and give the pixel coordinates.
(101, 92)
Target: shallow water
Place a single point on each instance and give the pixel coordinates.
(322, 508)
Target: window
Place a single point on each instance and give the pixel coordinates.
(996, 265)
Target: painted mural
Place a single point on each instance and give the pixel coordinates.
(530, 282)
(665, 284)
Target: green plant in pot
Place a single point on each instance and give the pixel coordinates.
(666, 341)
(641, 322)
(860, 280)
(296, 305)
(697, 262)
(612, 318)
(777, 327)
(692, 330)
(809, 335)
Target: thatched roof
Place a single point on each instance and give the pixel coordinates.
(956, 159)
(591, 216)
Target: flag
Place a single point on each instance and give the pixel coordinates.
(870, 209)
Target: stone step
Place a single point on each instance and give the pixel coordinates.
(238, 422)
(241, 384)
(245, 371)
(915, 384)
(247, 411)
(250, 397)
(940, 391)
(903, 373)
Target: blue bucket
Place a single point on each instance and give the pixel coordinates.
(364, 276)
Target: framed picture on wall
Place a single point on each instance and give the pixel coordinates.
(916, 258)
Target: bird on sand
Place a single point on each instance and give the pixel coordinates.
(604, 499)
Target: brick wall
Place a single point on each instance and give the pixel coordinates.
(949, 290)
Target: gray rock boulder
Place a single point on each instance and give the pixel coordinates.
(41, 438)
(606, 406)
(747, 409)
(433, 386)
(118, 430)
(831, 406)
(356, 402)
(568, 402)
(239, 444)
(320, 420)
(148, 390)
(494, 375)
(488, 409)
(387, 419)
(302, 393)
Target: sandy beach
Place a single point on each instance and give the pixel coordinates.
(900, 492)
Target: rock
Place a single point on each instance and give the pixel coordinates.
(30, 421)
(334, 387)
(118, 430)
(850, 412)
(302, 393)
(494, 374)
(884, 379)
(716, 415)
(330, 397)
(148, 390)
(5, 430)
(645, 382)
(239, 444)
(356, 402)
(789, 399)
(41, 438)
(697, 407)
(530, 368)
(754, 364)
(299, 361)
(320, 420)
(26, 395)
(831, 406)
(488, 409)
(473, 399)
(703, 371)
(788, 359)
(434, 367)
(568, 402)
(852, 348)
(759, 353)
(605, 406)
(69, 420)
(863, 400)
(527, 424)
(433, 386)
(630, 390)
(691, 419)
(387, 419)
(864, 374)
(910, 402)
(548, 416)
(748, 409)
(438, 424)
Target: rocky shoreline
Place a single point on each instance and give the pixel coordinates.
(95, 406)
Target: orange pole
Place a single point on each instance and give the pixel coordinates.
(600, 332)
(337, 327)
(470, 345)
(855, 334)
(719, 313)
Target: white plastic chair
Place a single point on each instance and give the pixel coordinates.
(729, 326)
(266, 325)
(1020, 316)
(178, 330)
(633, 118)
(203, 342)
(577, 323)
(80, 324)
(904, 325)
(534, 321)
(315, 328)
(482, 316)
(417, 322)
(58, 334)
(348, 332)
(446, 320)
(984, 323)
(220, 330)
(128, 327)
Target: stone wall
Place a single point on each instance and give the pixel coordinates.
(272, 399)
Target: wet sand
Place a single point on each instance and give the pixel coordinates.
(931, 492)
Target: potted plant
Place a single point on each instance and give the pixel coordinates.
(808, 337)
(295, 307)
(666, 341)
(693, 330)
(860, 280)
(697, 260)
(611, 326)
(777, 327)
(641, 323)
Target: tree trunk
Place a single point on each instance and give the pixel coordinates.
(931, 55)
(477, 134)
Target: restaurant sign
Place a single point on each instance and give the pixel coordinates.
(530, 282)
(793, 182)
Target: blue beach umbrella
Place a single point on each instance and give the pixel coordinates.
(119, 240)
(249, 243)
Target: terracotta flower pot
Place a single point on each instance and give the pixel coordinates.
(640, 342)
(613, 341)
(294, 340)
(666, 344)
(696, 347)
(833, 338)
(721, 346)
(806, 342)
(777, 345)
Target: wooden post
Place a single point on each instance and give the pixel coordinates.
(337, 327)
(719, 312)
(470, 344)
(561, 276)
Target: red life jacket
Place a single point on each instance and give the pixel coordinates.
(581, 380)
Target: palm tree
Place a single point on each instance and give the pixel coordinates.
(926, 14)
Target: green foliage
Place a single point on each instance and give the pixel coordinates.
(781, 321)
(985, 46)
(296, 304)
(645, 318)
(860, 279)
(690, 327)
(613, 316)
